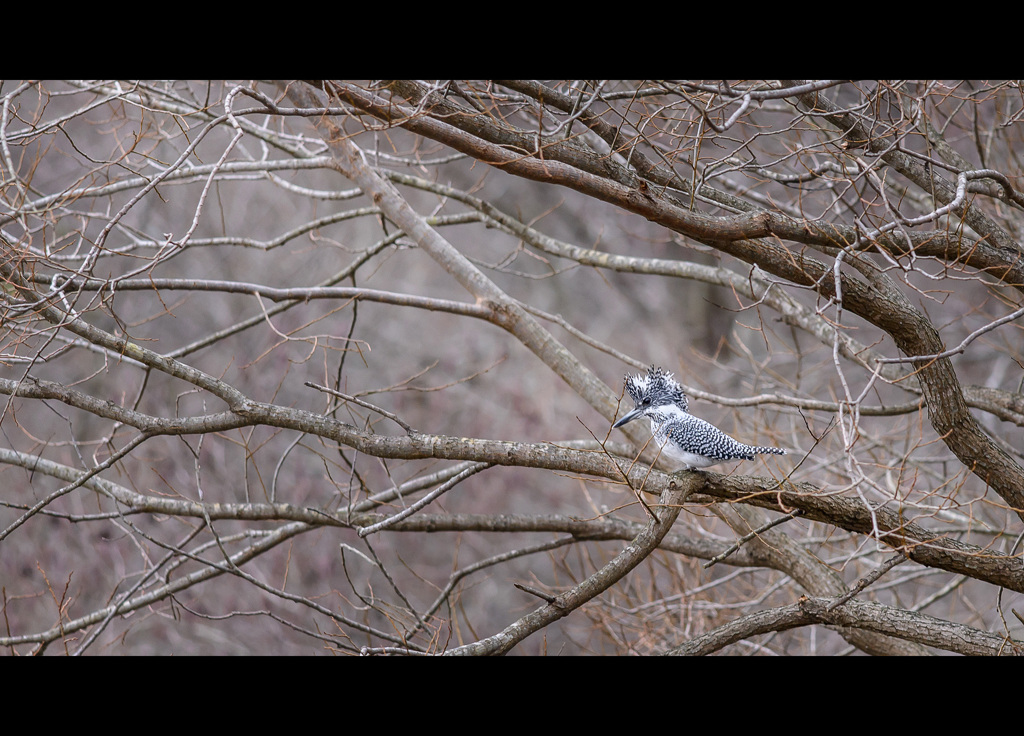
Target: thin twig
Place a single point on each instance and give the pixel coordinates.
(747, 537)
(539, 593)
(441, 489)
(869, 579)
(364, 404)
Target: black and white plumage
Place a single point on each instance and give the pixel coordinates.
(681, 436)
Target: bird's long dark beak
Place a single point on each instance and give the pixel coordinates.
(628, 418)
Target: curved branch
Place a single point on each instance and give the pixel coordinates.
(866, 615)
(669, 505)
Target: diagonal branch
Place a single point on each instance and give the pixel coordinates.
(866, 615)
(669, 506)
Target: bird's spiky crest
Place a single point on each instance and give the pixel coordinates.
(657, 388)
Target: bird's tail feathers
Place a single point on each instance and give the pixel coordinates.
(768, 450)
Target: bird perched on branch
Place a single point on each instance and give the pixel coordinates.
(681, 436)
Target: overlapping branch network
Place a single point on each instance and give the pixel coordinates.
(870, 229)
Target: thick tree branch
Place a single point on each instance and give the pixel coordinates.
(866, 615)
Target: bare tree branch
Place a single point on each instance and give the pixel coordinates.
(830, 267)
